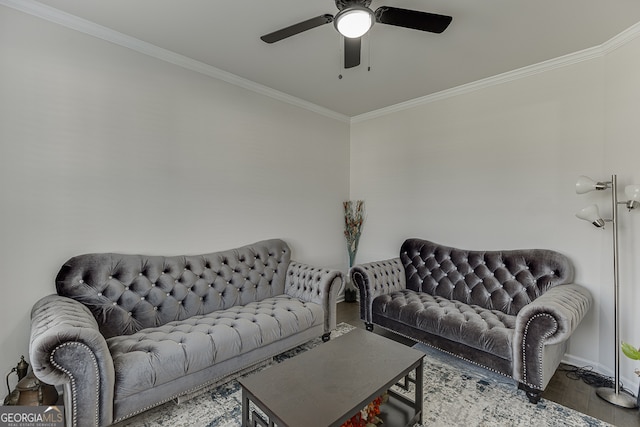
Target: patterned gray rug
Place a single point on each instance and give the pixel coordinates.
(456, 394)
(468, 395)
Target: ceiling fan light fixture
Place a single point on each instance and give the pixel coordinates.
(354, 21)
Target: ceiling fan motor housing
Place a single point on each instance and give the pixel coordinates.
(342, 4)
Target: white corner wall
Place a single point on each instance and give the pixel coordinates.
(621, 151)
(496, 169)
(105, 149)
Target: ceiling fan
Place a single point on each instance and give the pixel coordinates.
(354, 19)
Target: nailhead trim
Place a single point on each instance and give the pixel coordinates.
(226, 377)
(74, 396)
(526, 382)
(445, 351)
(524, 344)
(371, 283)
(191, 390)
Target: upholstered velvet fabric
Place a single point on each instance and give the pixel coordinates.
(128, 332)
(490, 331)
(486, 360)
(374, 279)
(495, 280)
(67, 349)
(133, 292)
(549, 320)
(510, 311)
(156, 356)
(314, 284)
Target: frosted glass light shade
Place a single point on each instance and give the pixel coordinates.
(591, 214)
(585, 184)
(354, 22)
(633, 194)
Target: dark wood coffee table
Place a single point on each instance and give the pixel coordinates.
(330, 383)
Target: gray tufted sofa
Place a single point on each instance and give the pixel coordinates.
(128, 332)
(509, 311)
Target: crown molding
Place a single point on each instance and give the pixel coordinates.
(73, 22)
(563, 61)
(621, 39)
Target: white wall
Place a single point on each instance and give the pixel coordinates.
(496, 169)
(621, 154)
(104, 149)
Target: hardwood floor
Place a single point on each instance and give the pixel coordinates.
(572, 393)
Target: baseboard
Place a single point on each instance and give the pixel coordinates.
(630, 384)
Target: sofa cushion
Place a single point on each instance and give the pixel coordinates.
(156, 356)
(487, 330)
(495, 280)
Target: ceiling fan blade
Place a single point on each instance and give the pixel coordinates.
(414, 19)
(352, 52)
(298, 28)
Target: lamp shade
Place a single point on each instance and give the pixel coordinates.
(585, 184)
(354, 21)
(633, 192)
(591, 214)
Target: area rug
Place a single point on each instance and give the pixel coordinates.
(456, 393)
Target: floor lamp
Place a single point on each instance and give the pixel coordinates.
(591, 214)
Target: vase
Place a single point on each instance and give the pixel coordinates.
(350, 293)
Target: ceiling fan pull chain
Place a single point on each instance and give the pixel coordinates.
(340, 55)
(369, 51)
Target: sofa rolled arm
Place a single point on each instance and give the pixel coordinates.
(318, 285)
(549, 319)
(66, 348)
(374, 279)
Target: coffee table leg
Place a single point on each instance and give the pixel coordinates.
(245, 408)
(419, 403)
(252, 418)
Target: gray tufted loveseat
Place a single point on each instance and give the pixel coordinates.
(509, 311)
(128, 332)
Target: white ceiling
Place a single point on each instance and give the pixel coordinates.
(486, 38)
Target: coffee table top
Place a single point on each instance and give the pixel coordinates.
(321, 385)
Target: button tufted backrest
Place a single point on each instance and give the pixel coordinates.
(496, 280)
(127, 293)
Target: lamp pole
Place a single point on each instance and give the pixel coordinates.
(614, 395)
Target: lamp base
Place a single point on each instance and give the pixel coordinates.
(622, 399)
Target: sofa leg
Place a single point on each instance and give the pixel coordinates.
(533, 394)
(369, 326)
(326, 337)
